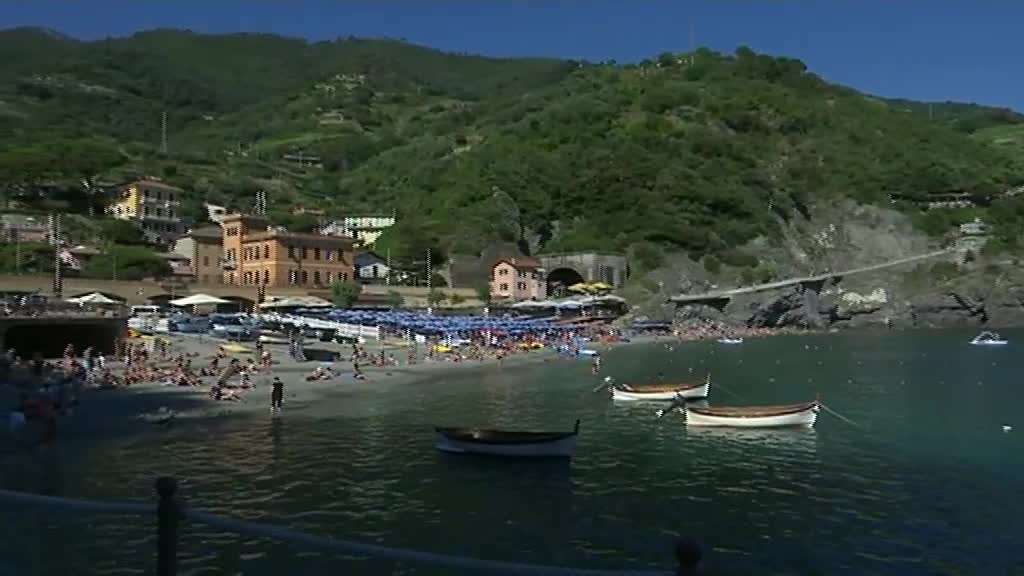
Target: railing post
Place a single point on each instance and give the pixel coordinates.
(167, 517)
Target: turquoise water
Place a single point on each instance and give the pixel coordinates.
(927, 482)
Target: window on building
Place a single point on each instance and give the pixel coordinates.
(521, 273)
(316, 253)
(521, 285)
(329, 275)
(503, 272)
(291, 252)
(231, 278)
(247, 278)
(305, 253)
(503, 287)
(328, 254)
(373, 270)
(266, 276)
(316, 277)
(305, 277)
(293, 277)
(343, 276)
(206, 260)
(266, 251)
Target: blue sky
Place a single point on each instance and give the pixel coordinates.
(931, 50)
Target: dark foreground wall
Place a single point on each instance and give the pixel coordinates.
(50, 336)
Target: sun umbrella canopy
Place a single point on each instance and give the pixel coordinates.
(94, 298)
(199, 300)
(293, 301)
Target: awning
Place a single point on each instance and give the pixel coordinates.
(198, 300)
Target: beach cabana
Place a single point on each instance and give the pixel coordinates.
(94, 298)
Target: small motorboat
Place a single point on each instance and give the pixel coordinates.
(662, 391)
(728, 340)
(508, 443)
(804, 414)
(988, 339)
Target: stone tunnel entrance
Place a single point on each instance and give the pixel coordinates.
(561, 278)
(50, 338)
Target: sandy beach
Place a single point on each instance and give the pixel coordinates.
(103, 411)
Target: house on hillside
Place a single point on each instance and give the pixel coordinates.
(518, 278)
(370, 267)
(23, 228)
(257, 254)
(76, 257)
(365, 229)
(152, 206)
(202, 246)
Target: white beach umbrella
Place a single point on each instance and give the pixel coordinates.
(198, 300)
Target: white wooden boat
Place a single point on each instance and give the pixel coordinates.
(727, 340)
(988, 339)
(804, 414)
(662, 391)
(508, 443)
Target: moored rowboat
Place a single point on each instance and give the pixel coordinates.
(804, 414)
(663, 391)
(507, 443)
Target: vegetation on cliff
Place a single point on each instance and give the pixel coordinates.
(698, 153)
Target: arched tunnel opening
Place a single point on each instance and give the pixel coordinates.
(51, 338)
(561, 278)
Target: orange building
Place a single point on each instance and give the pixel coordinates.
(256, 254)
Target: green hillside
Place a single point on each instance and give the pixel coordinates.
(696, 152)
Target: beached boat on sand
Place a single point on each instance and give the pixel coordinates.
(803, 414)
(988, 339)
(508, 443)
(662, 391)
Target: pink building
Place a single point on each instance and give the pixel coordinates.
(517, 279)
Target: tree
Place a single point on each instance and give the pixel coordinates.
(394, 299)
(26, 258)
(126, 263)
(483, 292)
(456, 298)
(345, 294)
(121, 232)
(435, 297)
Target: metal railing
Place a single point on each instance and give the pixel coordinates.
(170, 511)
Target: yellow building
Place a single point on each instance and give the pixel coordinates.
(153, 206)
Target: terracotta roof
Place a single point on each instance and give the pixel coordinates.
(205, 232)
(520, 262)
(153, 184)
(307, 238)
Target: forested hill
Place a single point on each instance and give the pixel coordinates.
(696, 152)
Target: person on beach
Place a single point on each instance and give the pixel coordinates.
(265, 359)
(276, 395)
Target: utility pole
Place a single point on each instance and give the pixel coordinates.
(58, 282)
(260, 207)
(163, 132)
(430, 283)
(17, 253)
(387, 276)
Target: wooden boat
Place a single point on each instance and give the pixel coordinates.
(508, 443)
(663, 391)
(804, 414)
(988, 339)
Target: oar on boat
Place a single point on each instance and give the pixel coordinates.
(678, 401)
(608, 382)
